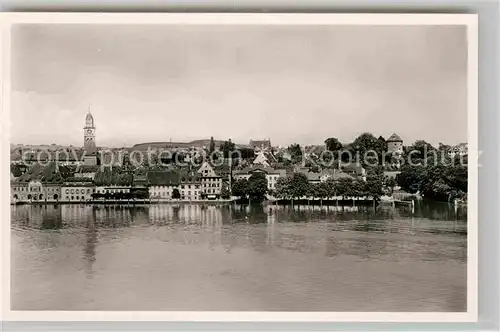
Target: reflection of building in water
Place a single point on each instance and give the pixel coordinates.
(75, 213)
(160, 212)
(37, 216)
(89, 252)
(271, 226)
(113, 215)
(186, 213)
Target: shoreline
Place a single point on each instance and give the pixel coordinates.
(301, 202)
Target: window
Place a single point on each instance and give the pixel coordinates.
(67, 191)
(72, 191)
(72, 197)
(189, 193)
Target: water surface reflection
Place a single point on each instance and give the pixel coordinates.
(205, 257)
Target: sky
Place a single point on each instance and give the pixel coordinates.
(292, 84)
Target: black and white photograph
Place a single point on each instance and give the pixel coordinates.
(242, 166)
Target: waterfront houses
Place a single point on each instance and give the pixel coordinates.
(163, 184)
(211, 182)
(77, 190)
(112, 189)
(272, 175)
(190, 187)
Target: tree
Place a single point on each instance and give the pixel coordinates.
(382, 143)
(373, 186)
(257, 187)
(176, 194)
(295, 153)
(344, 187)
(331, 187)
(421, 150)
(390, 182)
(367, 142)
(412, 178)
(225, 193)
(320, 190)
(240, 188)
(333, 144)
(227, 147)
(283, 188)
(299, 185)
(212, 145)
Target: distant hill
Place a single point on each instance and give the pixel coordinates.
(180, 145)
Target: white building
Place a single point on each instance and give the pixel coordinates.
(272, 175)
(211, 182)
(460, 149)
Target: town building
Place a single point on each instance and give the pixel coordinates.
(353, 169)
(324, 175)
(86, 171)
(460, 150)
(264, 158)
(395, 144)
(28, 191)
(190, 187)
(163, 184)
(211, 182)
(77, 190)
(112, 189)
(38, 183)
(272, 175)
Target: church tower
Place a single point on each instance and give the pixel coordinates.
(89, 146)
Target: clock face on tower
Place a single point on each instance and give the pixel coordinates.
(89, 131)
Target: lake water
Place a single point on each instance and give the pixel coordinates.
(231, 258)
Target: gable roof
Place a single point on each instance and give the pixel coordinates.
(51, 173)
(163, 178)
(352, 168)
(394, 138)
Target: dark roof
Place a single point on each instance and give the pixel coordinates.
(352, 168)
(18, 170)
(260, 144)
(106, 176)
(394, 138)
(51, 173)
(78, 184)
(163, 178)
(87, 168)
